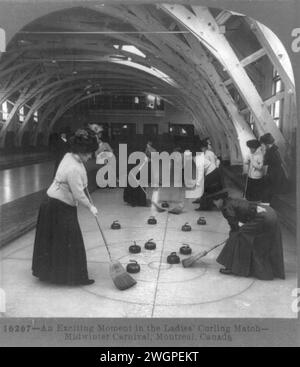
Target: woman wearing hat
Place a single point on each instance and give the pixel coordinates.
(276, 180)
(254, 168)
(254, 246)
(59, 255)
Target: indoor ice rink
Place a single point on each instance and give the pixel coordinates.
(168, 74)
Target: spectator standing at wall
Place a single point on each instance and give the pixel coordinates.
(276, 180)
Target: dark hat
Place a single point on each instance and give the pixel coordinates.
(254, 144)
(83, 142)
(267, 139)
(204, 143)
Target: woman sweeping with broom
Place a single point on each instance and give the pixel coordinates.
(254, 246)
(59, 254)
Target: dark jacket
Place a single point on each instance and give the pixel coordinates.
(238, 210)
(255, 248)
(276, 178)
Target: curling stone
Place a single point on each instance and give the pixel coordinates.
(164, 205)
(201, 221)
(115, 225)
(133, 267)
(185, 250)
(150, 245)
(186, 228)
(173, 258)
(134, 249)
(152, 220)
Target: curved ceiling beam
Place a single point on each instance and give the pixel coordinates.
(201, 23)
(175, 43)
(22, 82)
(212, 113)
(165, 53)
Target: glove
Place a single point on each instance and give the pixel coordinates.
(260, 209)
(94, 210)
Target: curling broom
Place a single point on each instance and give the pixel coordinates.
(186, 263)
(119, 275)
(246, 186)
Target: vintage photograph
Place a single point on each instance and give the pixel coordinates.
(148, 165)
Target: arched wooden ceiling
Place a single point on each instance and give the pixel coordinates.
(185, 59)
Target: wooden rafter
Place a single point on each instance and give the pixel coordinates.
(205, 28)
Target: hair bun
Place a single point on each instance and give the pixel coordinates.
(83, 142)
(81, 133)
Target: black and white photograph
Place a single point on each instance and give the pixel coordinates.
(148, 172)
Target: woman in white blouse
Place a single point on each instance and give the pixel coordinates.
(59, 254)
(212, 176)
(255, 171)
(208, 153)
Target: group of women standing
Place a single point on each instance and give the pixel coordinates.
(254, 245)
(264, 171)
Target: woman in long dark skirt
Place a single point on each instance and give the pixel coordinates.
(254, 246)
(134, 196)
(59, 254)
(276, 181)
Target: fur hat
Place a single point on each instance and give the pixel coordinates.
(83, 142)
(267, 139)
(254, 144)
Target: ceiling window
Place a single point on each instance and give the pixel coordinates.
(21, 114)
(4, 111)
(129, 48)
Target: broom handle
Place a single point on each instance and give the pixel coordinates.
(246, 185)
(202, 254)
(100, 229)
(219, 244)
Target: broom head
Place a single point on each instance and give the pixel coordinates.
(120, 277)
(186, 263)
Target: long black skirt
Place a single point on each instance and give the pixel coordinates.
(256, 248)
(59, 254)
(135, 196)
(255, 189)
